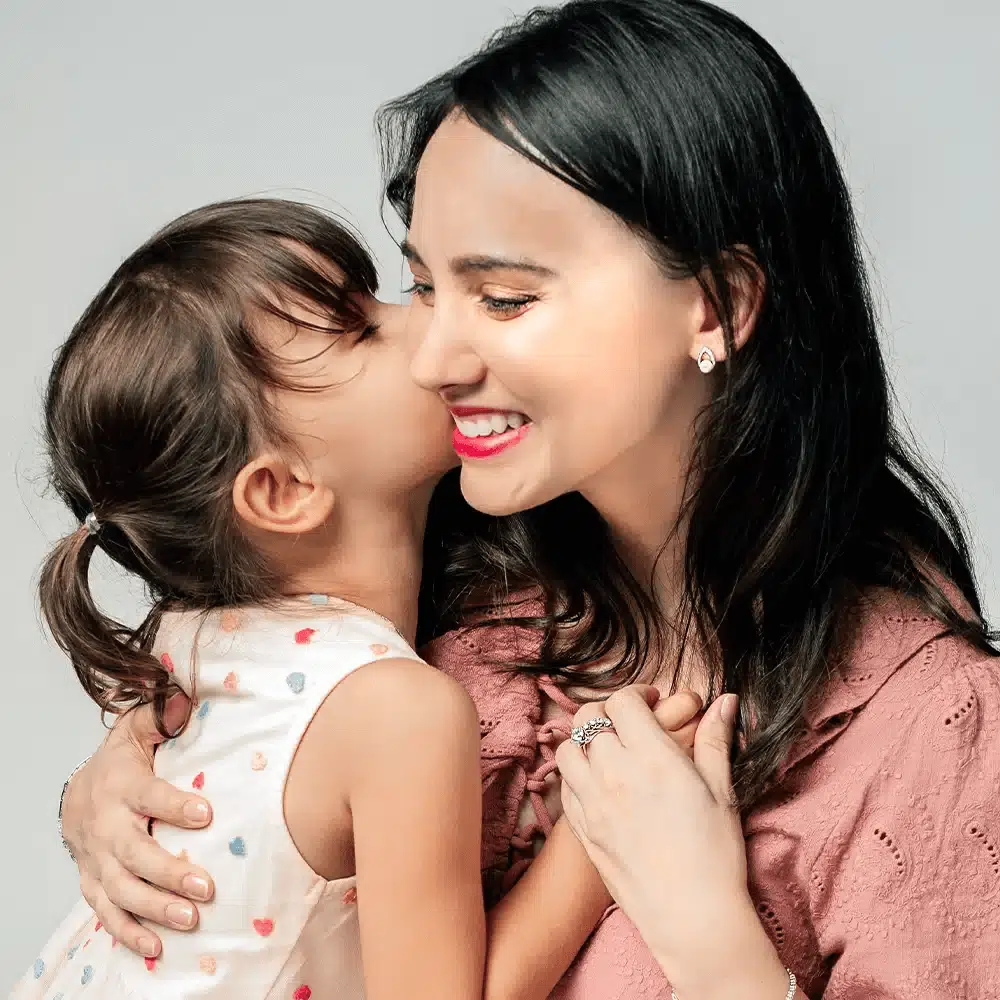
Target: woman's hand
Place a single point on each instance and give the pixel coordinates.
(106, 812)
(665, 834)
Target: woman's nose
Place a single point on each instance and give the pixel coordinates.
(443, 357)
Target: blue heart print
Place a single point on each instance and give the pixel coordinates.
(38, 968)
(296, 682)
(72, 951)
(204, 709)
(88, 974)
(238, 847)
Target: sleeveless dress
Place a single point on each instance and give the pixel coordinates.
(276, 930)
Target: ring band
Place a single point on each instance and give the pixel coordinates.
(583, 735)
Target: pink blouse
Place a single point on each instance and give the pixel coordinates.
(874, 863)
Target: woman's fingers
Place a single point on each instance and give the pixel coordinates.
(573, 768)
(122, 926)
(634, 720)
(140, 899)
(139, 854)
(150, 796)
(712, 744)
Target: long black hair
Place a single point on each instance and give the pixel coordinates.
(804, 493)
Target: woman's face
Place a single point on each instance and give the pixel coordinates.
(562, 349)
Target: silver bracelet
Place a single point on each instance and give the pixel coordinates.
(62, 798)
(790, 995)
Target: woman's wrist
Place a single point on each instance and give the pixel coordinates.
(62, 801)
(745, 964)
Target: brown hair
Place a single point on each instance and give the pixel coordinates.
(155, 403)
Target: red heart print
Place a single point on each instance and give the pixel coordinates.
(168, 663)
(150, 964)
(98, 925)
(302, 993)
(263, 927)
(199, 781)
(304, 636)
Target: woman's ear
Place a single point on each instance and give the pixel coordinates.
(271, 494)
(746, 287)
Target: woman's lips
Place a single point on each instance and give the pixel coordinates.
(482, 432)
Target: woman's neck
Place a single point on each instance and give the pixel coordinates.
(368, 556)
(641, 498)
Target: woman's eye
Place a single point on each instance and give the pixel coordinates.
(507, 307)
(421, 289)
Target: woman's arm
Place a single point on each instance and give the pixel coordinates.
(537, 929)
(665, 834)
(105, 814)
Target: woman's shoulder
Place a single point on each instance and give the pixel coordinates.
(896, 658)
(484, 659)
(904, 816)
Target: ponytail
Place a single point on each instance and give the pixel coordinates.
(114, 663)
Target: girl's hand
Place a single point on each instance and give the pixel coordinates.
(665, 834)
(106, 812)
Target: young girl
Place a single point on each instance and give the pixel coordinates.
(232, 420)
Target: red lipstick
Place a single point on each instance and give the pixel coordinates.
(486, 447)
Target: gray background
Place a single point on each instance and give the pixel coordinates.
(115, 117)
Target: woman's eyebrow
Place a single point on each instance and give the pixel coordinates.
(483, 262)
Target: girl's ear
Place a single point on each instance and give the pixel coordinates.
(271, 494)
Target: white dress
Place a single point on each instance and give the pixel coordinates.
(275, 929)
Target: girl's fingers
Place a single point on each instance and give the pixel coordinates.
(122, 926)
(684, 736)
(678, 710)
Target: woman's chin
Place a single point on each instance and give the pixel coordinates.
(498, 492)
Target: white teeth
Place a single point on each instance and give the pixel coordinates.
(487, 424)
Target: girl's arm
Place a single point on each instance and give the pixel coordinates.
(409, 739)
(537, 929)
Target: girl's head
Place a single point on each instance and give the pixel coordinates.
(230, 402)
(605, 189)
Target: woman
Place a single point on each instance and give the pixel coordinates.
(639, 288)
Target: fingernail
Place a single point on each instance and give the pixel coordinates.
(180, 914)
(195, 812)
(730, 702)
(147, 947)
(196, 887)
